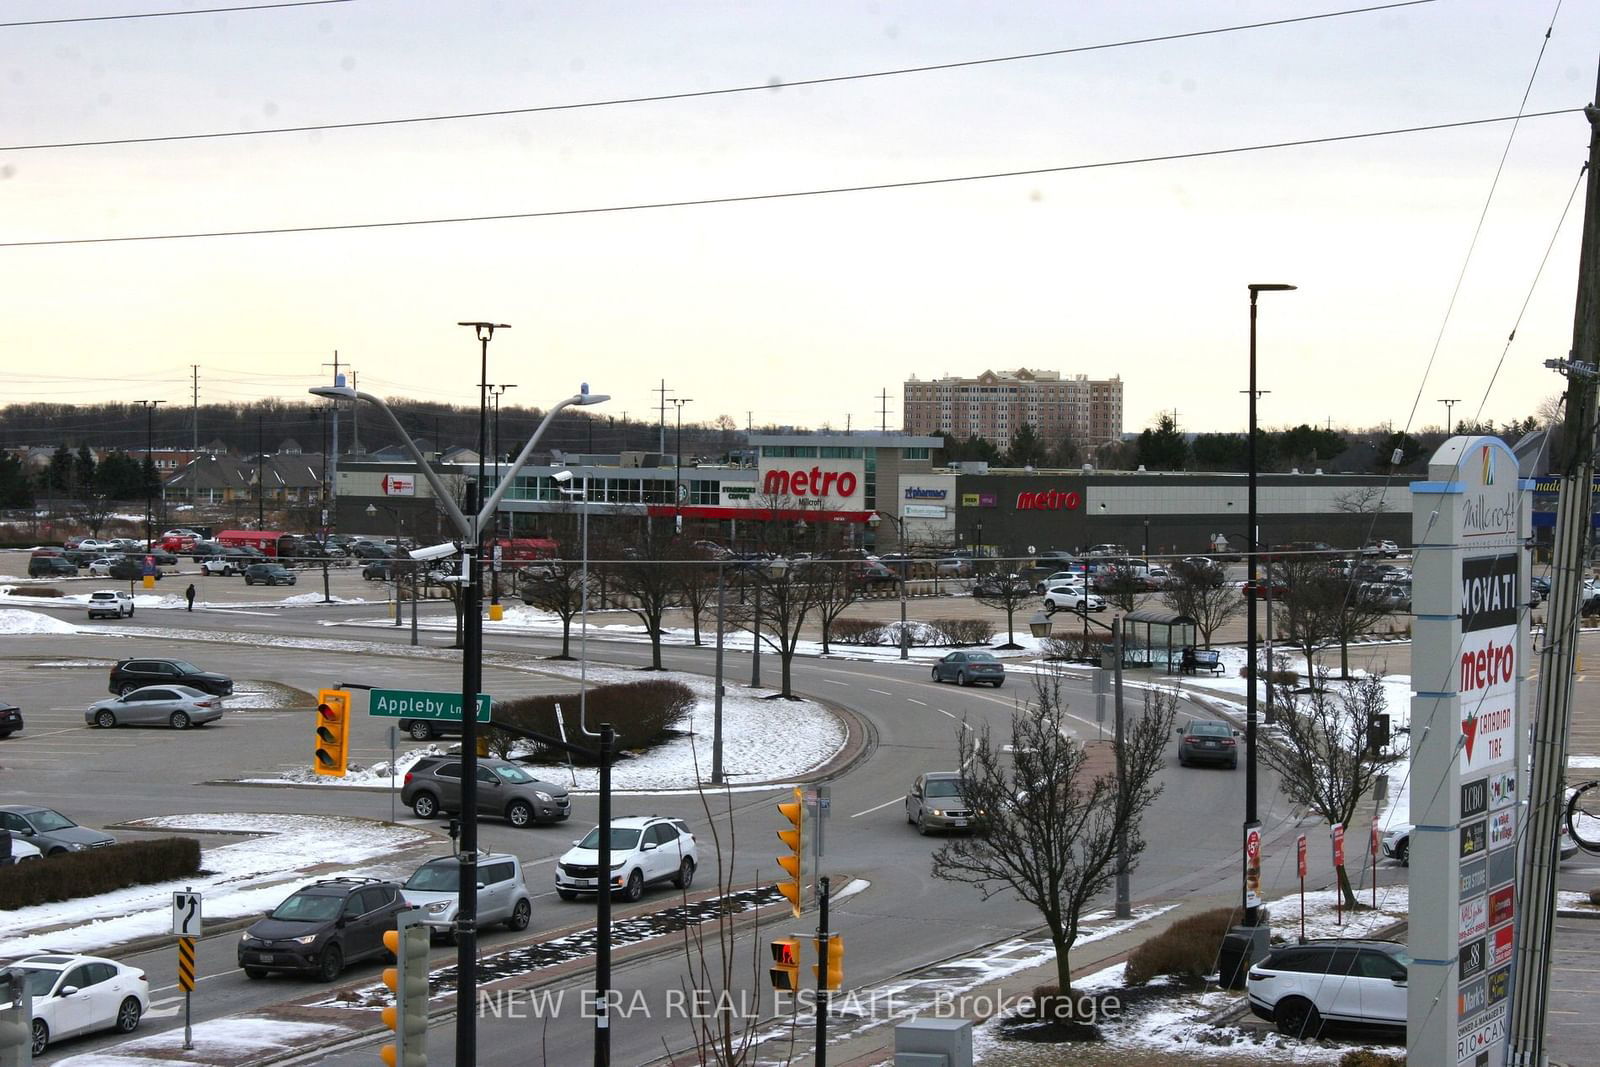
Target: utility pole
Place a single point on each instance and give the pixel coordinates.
(355, 417)
(1123, 907)
(330, 492)
(149, 471)
(1553, 720)
(661, 446)
(194, 404)
(883, 411)
(261, 486)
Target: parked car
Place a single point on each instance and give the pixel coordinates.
(158, 555)
(966, 668)
(176, 706)
(1068, 577)
(223, 565)
(379, 570)
(1065, 596)
(1301, 987)
(952, 568)
(937, 801)
(1208, 741)
(368, 550)
(1539, 587)
(1386, 549)
(130, 569)
(645, 850)
(268, 574)
(433, 785)
(74, 995)
(871, 574)
(131, 674)
(1396, 843)
(1263, 587)
(49, 830)
(110, 603)
(21, 850)
(51, 567)
(503, 897)
(101, 566)
(10, 719)
(321, 927)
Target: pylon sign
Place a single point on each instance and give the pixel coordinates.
(1471, 526)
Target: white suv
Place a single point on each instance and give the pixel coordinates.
(110, 602)
(1301, 987)
(1067, 596)
(645, 849)
(502, 895)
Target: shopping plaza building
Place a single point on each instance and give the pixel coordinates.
(882, 492)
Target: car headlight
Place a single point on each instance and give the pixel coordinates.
(542, 796)
(246, 938)
(937, 813)
(76, 846)
(306, 940)
(438, 907)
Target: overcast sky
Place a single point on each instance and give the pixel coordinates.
(799, 310)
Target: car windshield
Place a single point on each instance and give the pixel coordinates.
(621, 839)
(436, 878)
(513, 775)
(45, 820)
(944, 787)
(1209, 729)
(309, 908)
(38, 979)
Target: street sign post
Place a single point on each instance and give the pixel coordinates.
(1300, 865)
(421, 704)
(186, 924)
(1338, 861)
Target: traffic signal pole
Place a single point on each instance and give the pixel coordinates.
(822, 973)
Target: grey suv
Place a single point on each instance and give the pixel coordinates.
(433, 785)
(322, 927)
(434, 889)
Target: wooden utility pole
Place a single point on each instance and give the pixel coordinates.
(1553, 719)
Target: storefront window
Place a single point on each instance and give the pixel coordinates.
(914, 453)
(838, 452)
(789, 451)
(705, 493)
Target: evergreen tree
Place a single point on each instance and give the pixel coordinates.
(1163, 448)
(1219, 451)
(58, 476)
(15, 489)
(83, 471)
(1027, 450)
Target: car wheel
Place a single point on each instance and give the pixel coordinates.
(936, 674)
(1233, 764)
(998, 682)
(685, 877)
(1297, 1017)
(57, 852)
(1403, 853)
(180, 720)
(249, 580)
(635, 887)
(41, 1037)
(128, 1016)
(255, 972)
(961, 678)
(105, 720)
(520, 916)
(425, 805)
(420, 731)
(519, 813)
(131, 611)
(330, 963)
(566, 894)
(126, 688)
(922, 826)
(1183, 761)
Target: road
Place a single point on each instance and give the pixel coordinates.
(906, 918)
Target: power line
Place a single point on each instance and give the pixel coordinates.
(169, 14)
(793, 194)
(702, 93)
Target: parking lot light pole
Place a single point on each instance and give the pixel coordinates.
(468, 527)
(900, 538)
(1252, 913)
(149, 448)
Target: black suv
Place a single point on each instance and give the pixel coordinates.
(322, 927)
(51, 567)
(268, 574)
(133, 673)
(130, 569)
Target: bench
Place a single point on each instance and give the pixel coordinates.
(1202, 659)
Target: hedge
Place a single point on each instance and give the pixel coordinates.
(643, 714)
(1186, 949)
(966, 631)
(35, 590)
(101, 870)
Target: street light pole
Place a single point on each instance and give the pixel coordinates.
(1449, 407)
(494, 526)
(677, 477)
(472, 654)
(150, 463)
(1252, 912)
(900, 537)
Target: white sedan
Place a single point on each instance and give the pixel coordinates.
(101, 568)
(79, 994)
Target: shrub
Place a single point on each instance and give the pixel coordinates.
(965, 631)
(643, 714)
(1074, 647)
(1366, 1057)
(1186, 949)
(100, 870)
(858, 632)
(35, 590)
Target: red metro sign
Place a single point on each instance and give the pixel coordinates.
(1049, 500)
(815, 482)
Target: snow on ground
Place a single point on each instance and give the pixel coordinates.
(1586, 762)
(15, 621)
(244, 1036)
(239, 879)
(300, 599)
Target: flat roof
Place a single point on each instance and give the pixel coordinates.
(863, 439)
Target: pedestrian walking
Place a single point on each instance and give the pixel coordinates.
(188, 594)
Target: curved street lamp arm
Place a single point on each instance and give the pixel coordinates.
(440, 490)
(493, 502)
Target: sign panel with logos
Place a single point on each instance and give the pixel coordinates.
(833, 484)
(1338, 844)
(923, 492)
(1470, 526)
(398, 485)
(1252, 866)
(922, 511)
(1300, 856)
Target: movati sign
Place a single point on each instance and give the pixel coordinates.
(1049, 500)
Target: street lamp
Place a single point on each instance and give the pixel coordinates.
(469, 528)
(399, 539)
(150, 463)
(1252, 911)
(899, 527)
(677, 477)
(494, 587)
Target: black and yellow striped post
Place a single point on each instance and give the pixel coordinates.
(186, 983)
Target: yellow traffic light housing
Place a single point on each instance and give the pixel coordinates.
(793, 863)
(408, 980)
(835, 961)
(332, 750)
(785, 970)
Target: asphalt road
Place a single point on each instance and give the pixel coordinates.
(906, 918)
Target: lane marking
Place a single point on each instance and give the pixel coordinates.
(918, 703)
(880, 807)
(835, 681)
(881, 692)
(941, 712)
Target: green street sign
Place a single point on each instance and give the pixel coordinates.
(420, 704)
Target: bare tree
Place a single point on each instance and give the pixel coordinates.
(646, 570)
(1121, 585)
(555, 586)
(1199, 591)
(697, 590)
(789, 595)
(1362, 500)
(1321, 750)
(1319, 607)
(838, 587)
(997, 587)
(1053, 829)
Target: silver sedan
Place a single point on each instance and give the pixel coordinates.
(176, 706)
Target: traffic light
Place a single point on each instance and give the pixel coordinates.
(16, 1023)
(785, 970)
(408, 980)
(835, 960)
(333, 732)
(793, 888)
